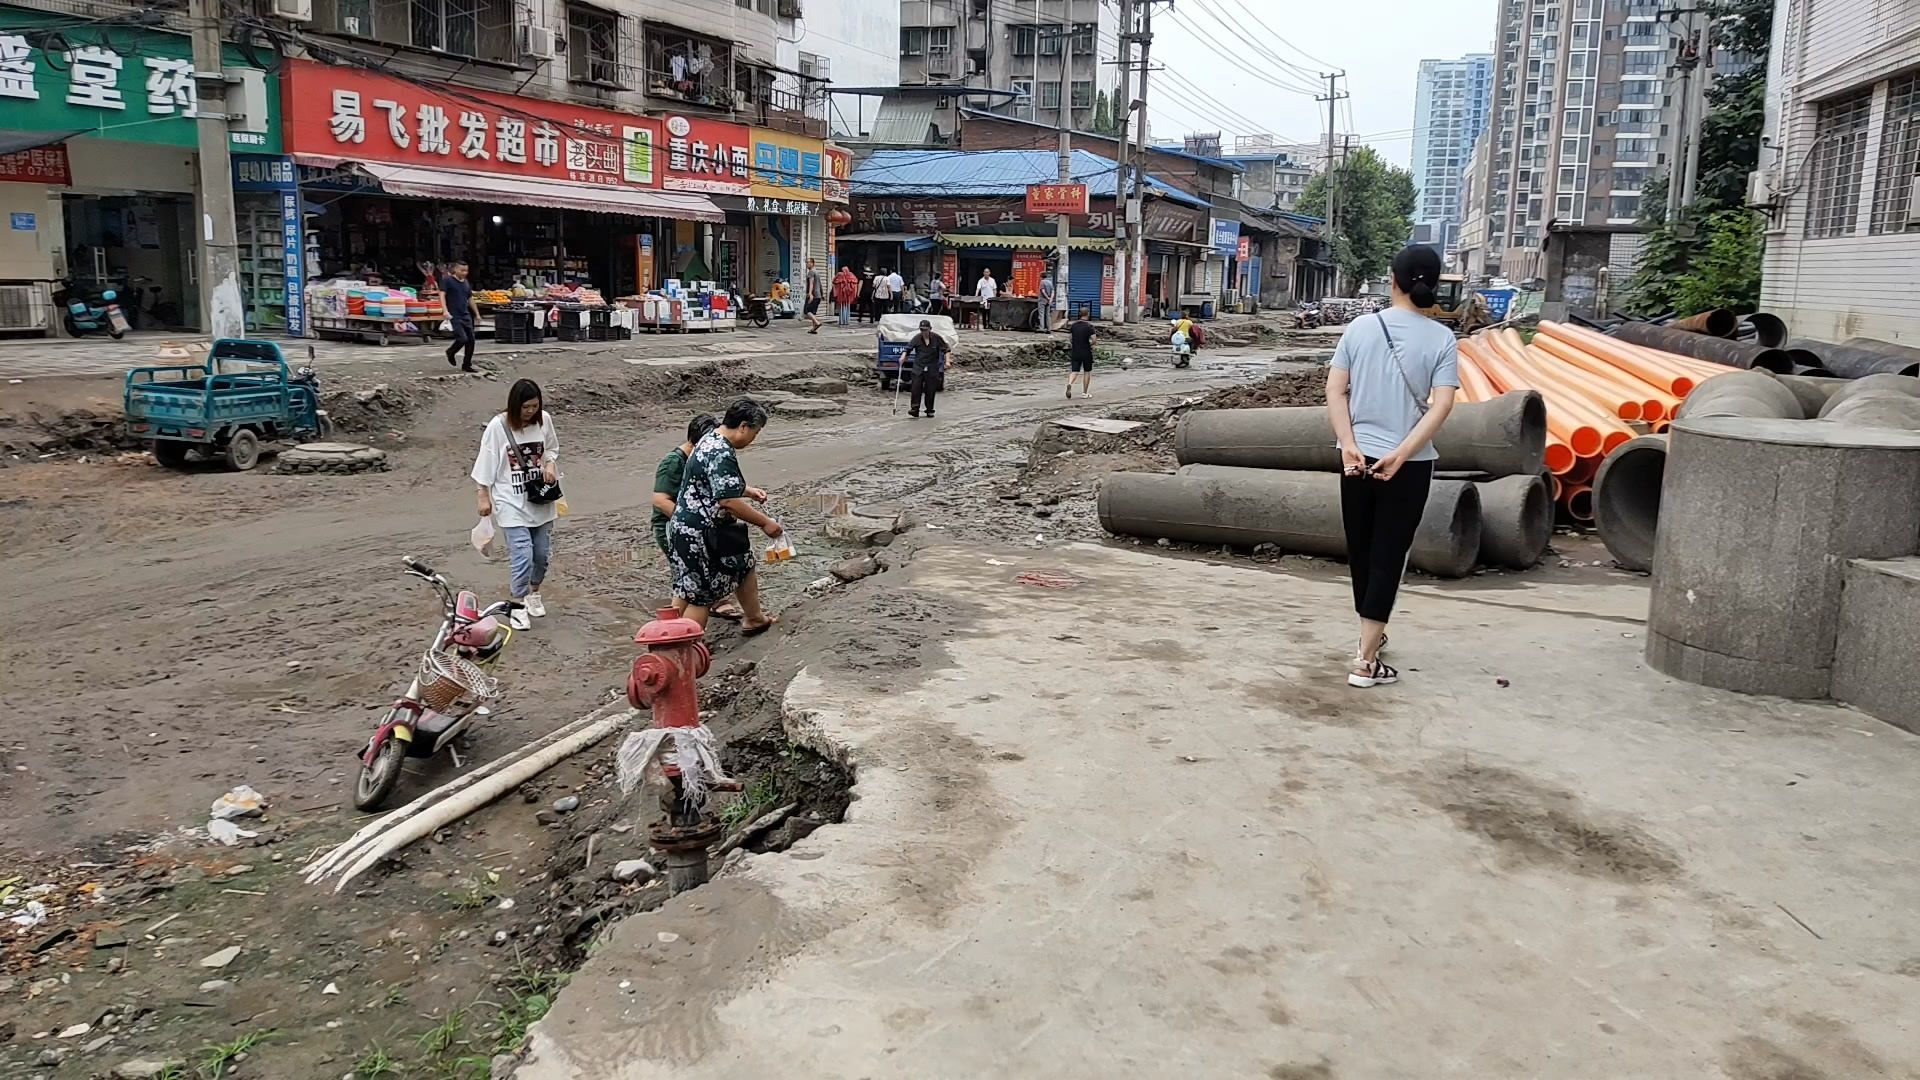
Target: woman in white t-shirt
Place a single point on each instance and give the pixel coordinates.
(519, 448)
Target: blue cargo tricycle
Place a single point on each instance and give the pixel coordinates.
(894, 333)
(243, 396)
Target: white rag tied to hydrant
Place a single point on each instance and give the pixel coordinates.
(643, 756)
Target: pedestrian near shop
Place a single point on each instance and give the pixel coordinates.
(846, 290)
(937, 295)
(668, 476)
(882, 294)
(815, 293)
(865, 300)
(1390, 387)
(517, 471)
(897, 286)
(1045, 315)
(457, 293)
(928, 351)
(1080, 354)
(708, 544)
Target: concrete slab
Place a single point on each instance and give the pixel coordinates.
(1140, 827)
(1873, 651)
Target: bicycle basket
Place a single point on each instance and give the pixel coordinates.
(444, 679)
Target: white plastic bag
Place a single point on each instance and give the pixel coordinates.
(482, 538)
(780, 549)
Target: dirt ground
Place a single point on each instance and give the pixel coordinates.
(174, 634)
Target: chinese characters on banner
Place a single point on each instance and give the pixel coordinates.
(277, 176)
(1028, 268)
(706, 155)
(836, 186)
(788, 166)
(357, 115)
(135, 85)
(1069, 199)
(956, 215)
(1246, 246)
(41, 165)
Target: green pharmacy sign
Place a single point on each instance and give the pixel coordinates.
(111, 82)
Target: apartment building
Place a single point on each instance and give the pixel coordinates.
(845, 44)
(1469, 252)
(1276, 172)
(1451, 98)
(1840, 177)
(1581, 120)
(1056, 55)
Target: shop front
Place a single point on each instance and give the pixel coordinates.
(98, 166)
(555, 208)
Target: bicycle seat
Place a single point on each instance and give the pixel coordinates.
(466, 606)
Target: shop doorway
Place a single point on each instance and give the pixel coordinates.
(141, 247)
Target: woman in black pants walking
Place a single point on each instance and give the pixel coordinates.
(1390, 387)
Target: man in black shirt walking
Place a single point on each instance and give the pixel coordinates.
(928, 352)
(1080, 355)
(461, 312)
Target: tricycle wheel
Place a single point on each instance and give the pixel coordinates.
(886, 382)
(243, 450)
(171, 453)
(378, 779)
(115, 332)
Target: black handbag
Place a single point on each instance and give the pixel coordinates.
(729, 540)
(539, 490)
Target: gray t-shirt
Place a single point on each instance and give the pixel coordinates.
(1380, 401)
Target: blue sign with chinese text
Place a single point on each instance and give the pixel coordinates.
(1226, 238)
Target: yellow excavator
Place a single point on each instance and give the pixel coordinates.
(1458, 306)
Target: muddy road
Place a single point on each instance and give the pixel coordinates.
(172, 635)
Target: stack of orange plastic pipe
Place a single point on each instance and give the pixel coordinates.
(1596, 388)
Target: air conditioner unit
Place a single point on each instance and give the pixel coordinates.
(1913, 202)
(789, 9)
(1760, 190)
(538, 43)
(298, 11)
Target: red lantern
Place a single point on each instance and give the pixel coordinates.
(838, 218)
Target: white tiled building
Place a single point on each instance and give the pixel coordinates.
(1843, 129)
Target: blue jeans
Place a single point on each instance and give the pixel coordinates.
(527, 551)
(846, 314)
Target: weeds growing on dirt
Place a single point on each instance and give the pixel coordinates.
(761, 795)
(375, 1063)
(220, 1055)
(472, 895)
(440, 1038)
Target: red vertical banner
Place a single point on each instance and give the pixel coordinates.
(1106, 282)
(1028, 268)
(950, 269)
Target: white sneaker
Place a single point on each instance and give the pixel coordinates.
(535, 606)
(520, 620)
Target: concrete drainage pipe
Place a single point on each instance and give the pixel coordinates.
(1742, 393)
(1881, 383)
(1516, 520)
(1295, 511)
(1503, 437)
(1813, 391)
(1879, 408)
(1626, 500)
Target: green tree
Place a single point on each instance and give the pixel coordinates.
(1103, 114)
(1375, 207)
(1709, 255)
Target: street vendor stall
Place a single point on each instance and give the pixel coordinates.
(352, 310)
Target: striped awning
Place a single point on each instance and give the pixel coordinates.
(1024, 242)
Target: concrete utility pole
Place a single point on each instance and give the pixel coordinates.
(223, 308)
(1123, 112)
(1702, 60)
(1063, 234)
(1135, 204)
(1684, 152)
(1332, 98)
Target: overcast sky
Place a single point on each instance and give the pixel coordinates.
(1378, 43)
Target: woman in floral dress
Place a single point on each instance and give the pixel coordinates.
(708, 545)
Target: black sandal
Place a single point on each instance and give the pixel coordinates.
(1379, 673)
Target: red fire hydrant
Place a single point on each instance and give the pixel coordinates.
(665, 679)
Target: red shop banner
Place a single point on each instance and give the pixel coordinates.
(40, 165)
(351, 114)
(706, 155)
(1069, 199)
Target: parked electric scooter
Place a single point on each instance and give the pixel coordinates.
(450, 687)
(85, 318)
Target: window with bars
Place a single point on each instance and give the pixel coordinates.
(593, 45)
(1899, 157)
(1839, 158)
(1050, 94)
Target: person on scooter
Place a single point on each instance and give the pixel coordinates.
(519, 450)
